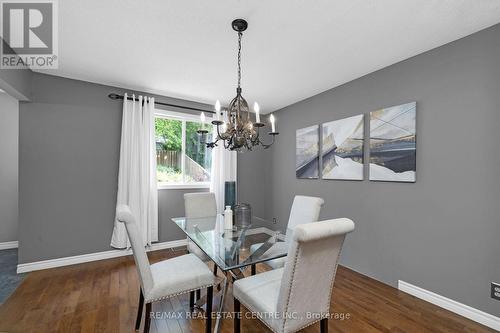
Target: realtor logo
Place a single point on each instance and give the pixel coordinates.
(29, 34)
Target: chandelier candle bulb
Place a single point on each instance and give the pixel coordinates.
(202, 131)
(217, 110)
(273, 123)
(257, 112)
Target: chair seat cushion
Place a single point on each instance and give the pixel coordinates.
(179, 275)
(259, 293)
(279, 247)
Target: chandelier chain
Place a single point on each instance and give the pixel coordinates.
(239, 58)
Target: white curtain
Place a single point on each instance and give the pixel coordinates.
(137, 171)
(223, 169)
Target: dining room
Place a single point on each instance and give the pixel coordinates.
(239, 166)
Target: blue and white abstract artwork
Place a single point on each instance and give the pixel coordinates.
(393, 142)
(342, 148)
(307, 152)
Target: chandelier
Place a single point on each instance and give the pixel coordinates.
(235, 129)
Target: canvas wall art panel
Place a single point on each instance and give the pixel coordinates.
(393, 143)
(342, 148)
(307, 152)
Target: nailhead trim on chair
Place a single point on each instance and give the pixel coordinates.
(334, 274)
(180, 293)
(295, 260)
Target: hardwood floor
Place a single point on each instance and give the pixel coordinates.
(103, 297)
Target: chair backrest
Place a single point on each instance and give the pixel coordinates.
(124, 215)
(309, 272)
(304, 210)
(200, 204)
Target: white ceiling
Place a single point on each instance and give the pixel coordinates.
(293, 49)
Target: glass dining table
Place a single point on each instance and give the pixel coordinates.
(234, 250)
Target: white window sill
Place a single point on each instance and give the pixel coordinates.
(182, 186)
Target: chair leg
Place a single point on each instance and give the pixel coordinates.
(237, 307)
(191, 300)
(198, 295)
(215, 269)
(210, 294)
(323, 325)
(147, 319)
(139, 310)
(254, 269)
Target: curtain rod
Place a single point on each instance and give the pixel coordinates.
(116, 96)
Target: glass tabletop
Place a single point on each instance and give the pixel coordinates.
(242, 246)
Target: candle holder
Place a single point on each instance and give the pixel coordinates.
(273, 134)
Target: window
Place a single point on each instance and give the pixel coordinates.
(182, 161)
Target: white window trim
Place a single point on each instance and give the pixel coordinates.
(180, 115)
(183, 117)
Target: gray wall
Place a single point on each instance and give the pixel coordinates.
(440, 233)
(254, 170)
(9, 134)
(68, 169)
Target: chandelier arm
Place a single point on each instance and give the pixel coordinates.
(218, 133)
(266, 146)
(229, 141)
(213, 143)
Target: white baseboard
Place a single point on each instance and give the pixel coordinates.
(66, 261)
(167, 245)
(9, 245)
(451, 305)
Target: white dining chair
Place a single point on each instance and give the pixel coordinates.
(304, 209)
(198, 205)
(298, 295)
(168, 278)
